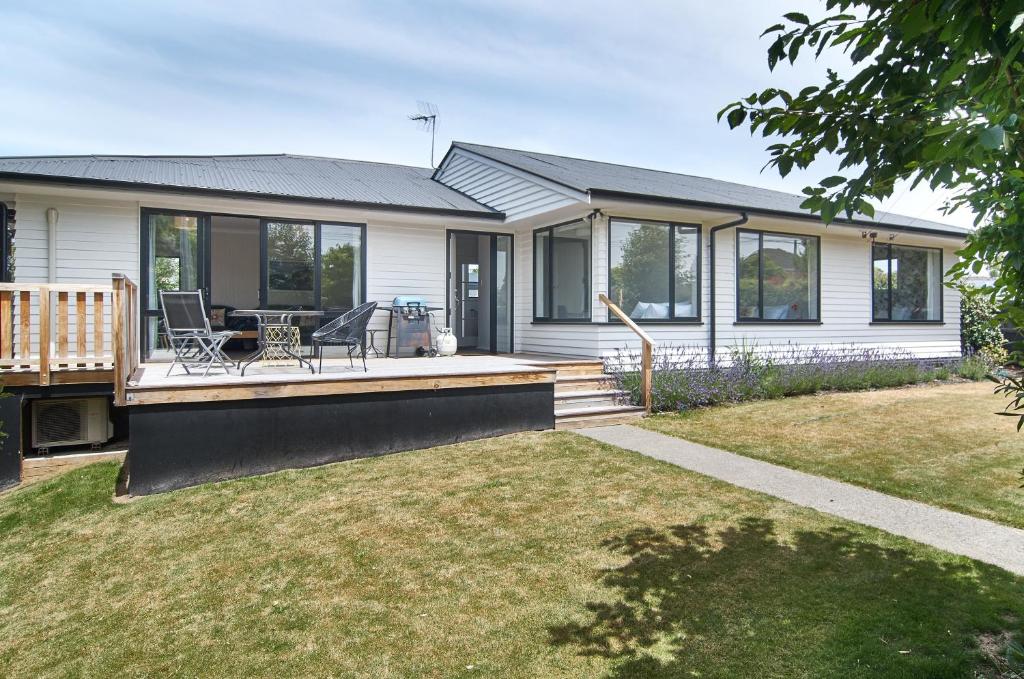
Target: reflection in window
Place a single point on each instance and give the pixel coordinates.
(906, 283)
(778, 277)
(290, 265)
(562, 272)
(173, 246)
(341, 278)
(654, 269)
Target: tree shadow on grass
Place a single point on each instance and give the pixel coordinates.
(742, 602)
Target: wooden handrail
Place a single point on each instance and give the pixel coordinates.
(646, 354)
(45, 327)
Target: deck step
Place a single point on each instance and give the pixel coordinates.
(577, 369)
(569, 383)
(577, 418)
(579, 399)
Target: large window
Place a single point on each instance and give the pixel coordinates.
(906, 284)
(654, 269)
(778, 277)
(341, 267)
(561, 272)
(313, 266)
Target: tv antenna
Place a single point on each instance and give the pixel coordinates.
(427, 117)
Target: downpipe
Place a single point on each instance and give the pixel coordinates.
(712, 352)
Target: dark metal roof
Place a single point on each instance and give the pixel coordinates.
(266, 176)
(623, 181)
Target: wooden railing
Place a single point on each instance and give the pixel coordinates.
(125, 324)
(647, 351)
(84, 332)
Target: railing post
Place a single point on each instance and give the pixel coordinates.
(44, 335)
(647, 368)
(117, 338)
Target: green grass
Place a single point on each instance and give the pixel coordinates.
(524, 556)
(940, 444)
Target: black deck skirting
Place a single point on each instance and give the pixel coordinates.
(10, 439)
(178, 445)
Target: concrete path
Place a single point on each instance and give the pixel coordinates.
(957, 533)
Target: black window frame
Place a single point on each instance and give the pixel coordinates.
(698, 304)
(5, 243)
(871, 273)
(317, 224)
(745, 320)
(548, 292)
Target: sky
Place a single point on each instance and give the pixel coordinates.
(636, 82)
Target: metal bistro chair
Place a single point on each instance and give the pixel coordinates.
(347, 330)
(188, 331)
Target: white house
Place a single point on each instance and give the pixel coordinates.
(523, 254)
(514, 246)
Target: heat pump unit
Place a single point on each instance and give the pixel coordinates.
(70, 422)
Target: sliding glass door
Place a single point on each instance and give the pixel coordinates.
(312, 265)
(175, 256)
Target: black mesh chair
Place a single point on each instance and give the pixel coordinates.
(347, 330)
(188, 332)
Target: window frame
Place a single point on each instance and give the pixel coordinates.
(871, 273)
(699, 302)
(5, 274)
(740, 320)
(317, 256)
(548, 291)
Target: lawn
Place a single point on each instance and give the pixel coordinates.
(940, 444)
(523, 556)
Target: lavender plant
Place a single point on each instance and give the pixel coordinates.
(683, 379)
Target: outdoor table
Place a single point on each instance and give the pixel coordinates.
(270, 344)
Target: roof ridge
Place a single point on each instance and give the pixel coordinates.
(633, 167)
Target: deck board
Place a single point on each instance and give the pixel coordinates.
(153, 385)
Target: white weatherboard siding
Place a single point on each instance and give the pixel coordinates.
(406, 255)
(845, 302)
(94, 239)
(517, 194)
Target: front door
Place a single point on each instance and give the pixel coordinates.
(175, 256)
(480, 290)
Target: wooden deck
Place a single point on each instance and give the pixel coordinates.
(151, 385)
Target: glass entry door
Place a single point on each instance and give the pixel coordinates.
(480, 290)
(175, 256)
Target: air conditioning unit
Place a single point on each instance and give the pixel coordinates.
(70, 422)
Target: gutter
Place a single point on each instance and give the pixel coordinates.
(838, 221)
(712, 353)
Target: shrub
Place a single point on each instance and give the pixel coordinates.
(974, 367)
(979, 328)
(683, 379)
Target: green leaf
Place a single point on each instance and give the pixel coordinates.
(866, 208)
(916, 21)
(773, 29)
(798, 18)
(992, 137)
(833, 181)
(736, 118)
(785, 165)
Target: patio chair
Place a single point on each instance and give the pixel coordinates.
(347, 330)
(188, 332)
